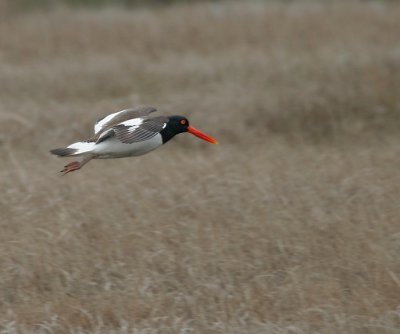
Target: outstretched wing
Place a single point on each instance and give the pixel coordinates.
(134, 130)
(107, 122)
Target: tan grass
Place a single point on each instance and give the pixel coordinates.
(290, 225)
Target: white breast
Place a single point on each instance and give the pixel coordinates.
(113, 148)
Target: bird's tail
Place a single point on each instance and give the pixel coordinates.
(74, 149)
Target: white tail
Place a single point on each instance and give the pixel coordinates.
(81, 147)
(78, 148)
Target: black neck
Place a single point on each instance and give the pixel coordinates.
(167, 133)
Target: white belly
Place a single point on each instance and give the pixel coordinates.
(113, 148)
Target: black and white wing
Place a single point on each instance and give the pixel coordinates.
(121, 116)
(135, 130)
(139, 129)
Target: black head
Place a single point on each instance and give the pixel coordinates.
(175, 125)
(179, 124)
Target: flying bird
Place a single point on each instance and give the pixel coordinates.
(129, 132)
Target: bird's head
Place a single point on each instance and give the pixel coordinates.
(179, 124)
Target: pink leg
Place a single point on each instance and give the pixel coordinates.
(75, 165)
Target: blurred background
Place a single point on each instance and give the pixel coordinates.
(289, 225)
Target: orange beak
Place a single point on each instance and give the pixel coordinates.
(201, 135)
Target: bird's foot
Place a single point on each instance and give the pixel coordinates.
(72, 166)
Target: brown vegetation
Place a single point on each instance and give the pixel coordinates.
(290, 225)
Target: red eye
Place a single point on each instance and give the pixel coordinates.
(183, 122)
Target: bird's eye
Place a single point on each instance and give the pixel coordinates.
(183, 121)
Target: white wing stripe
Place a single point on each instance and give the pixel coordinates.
(134, 122)
(99, 125)
(105, 134)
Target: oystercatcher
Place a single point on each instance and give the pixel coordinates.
(129, 132)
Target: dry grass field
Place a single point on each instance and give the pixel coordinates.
(290, 225)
